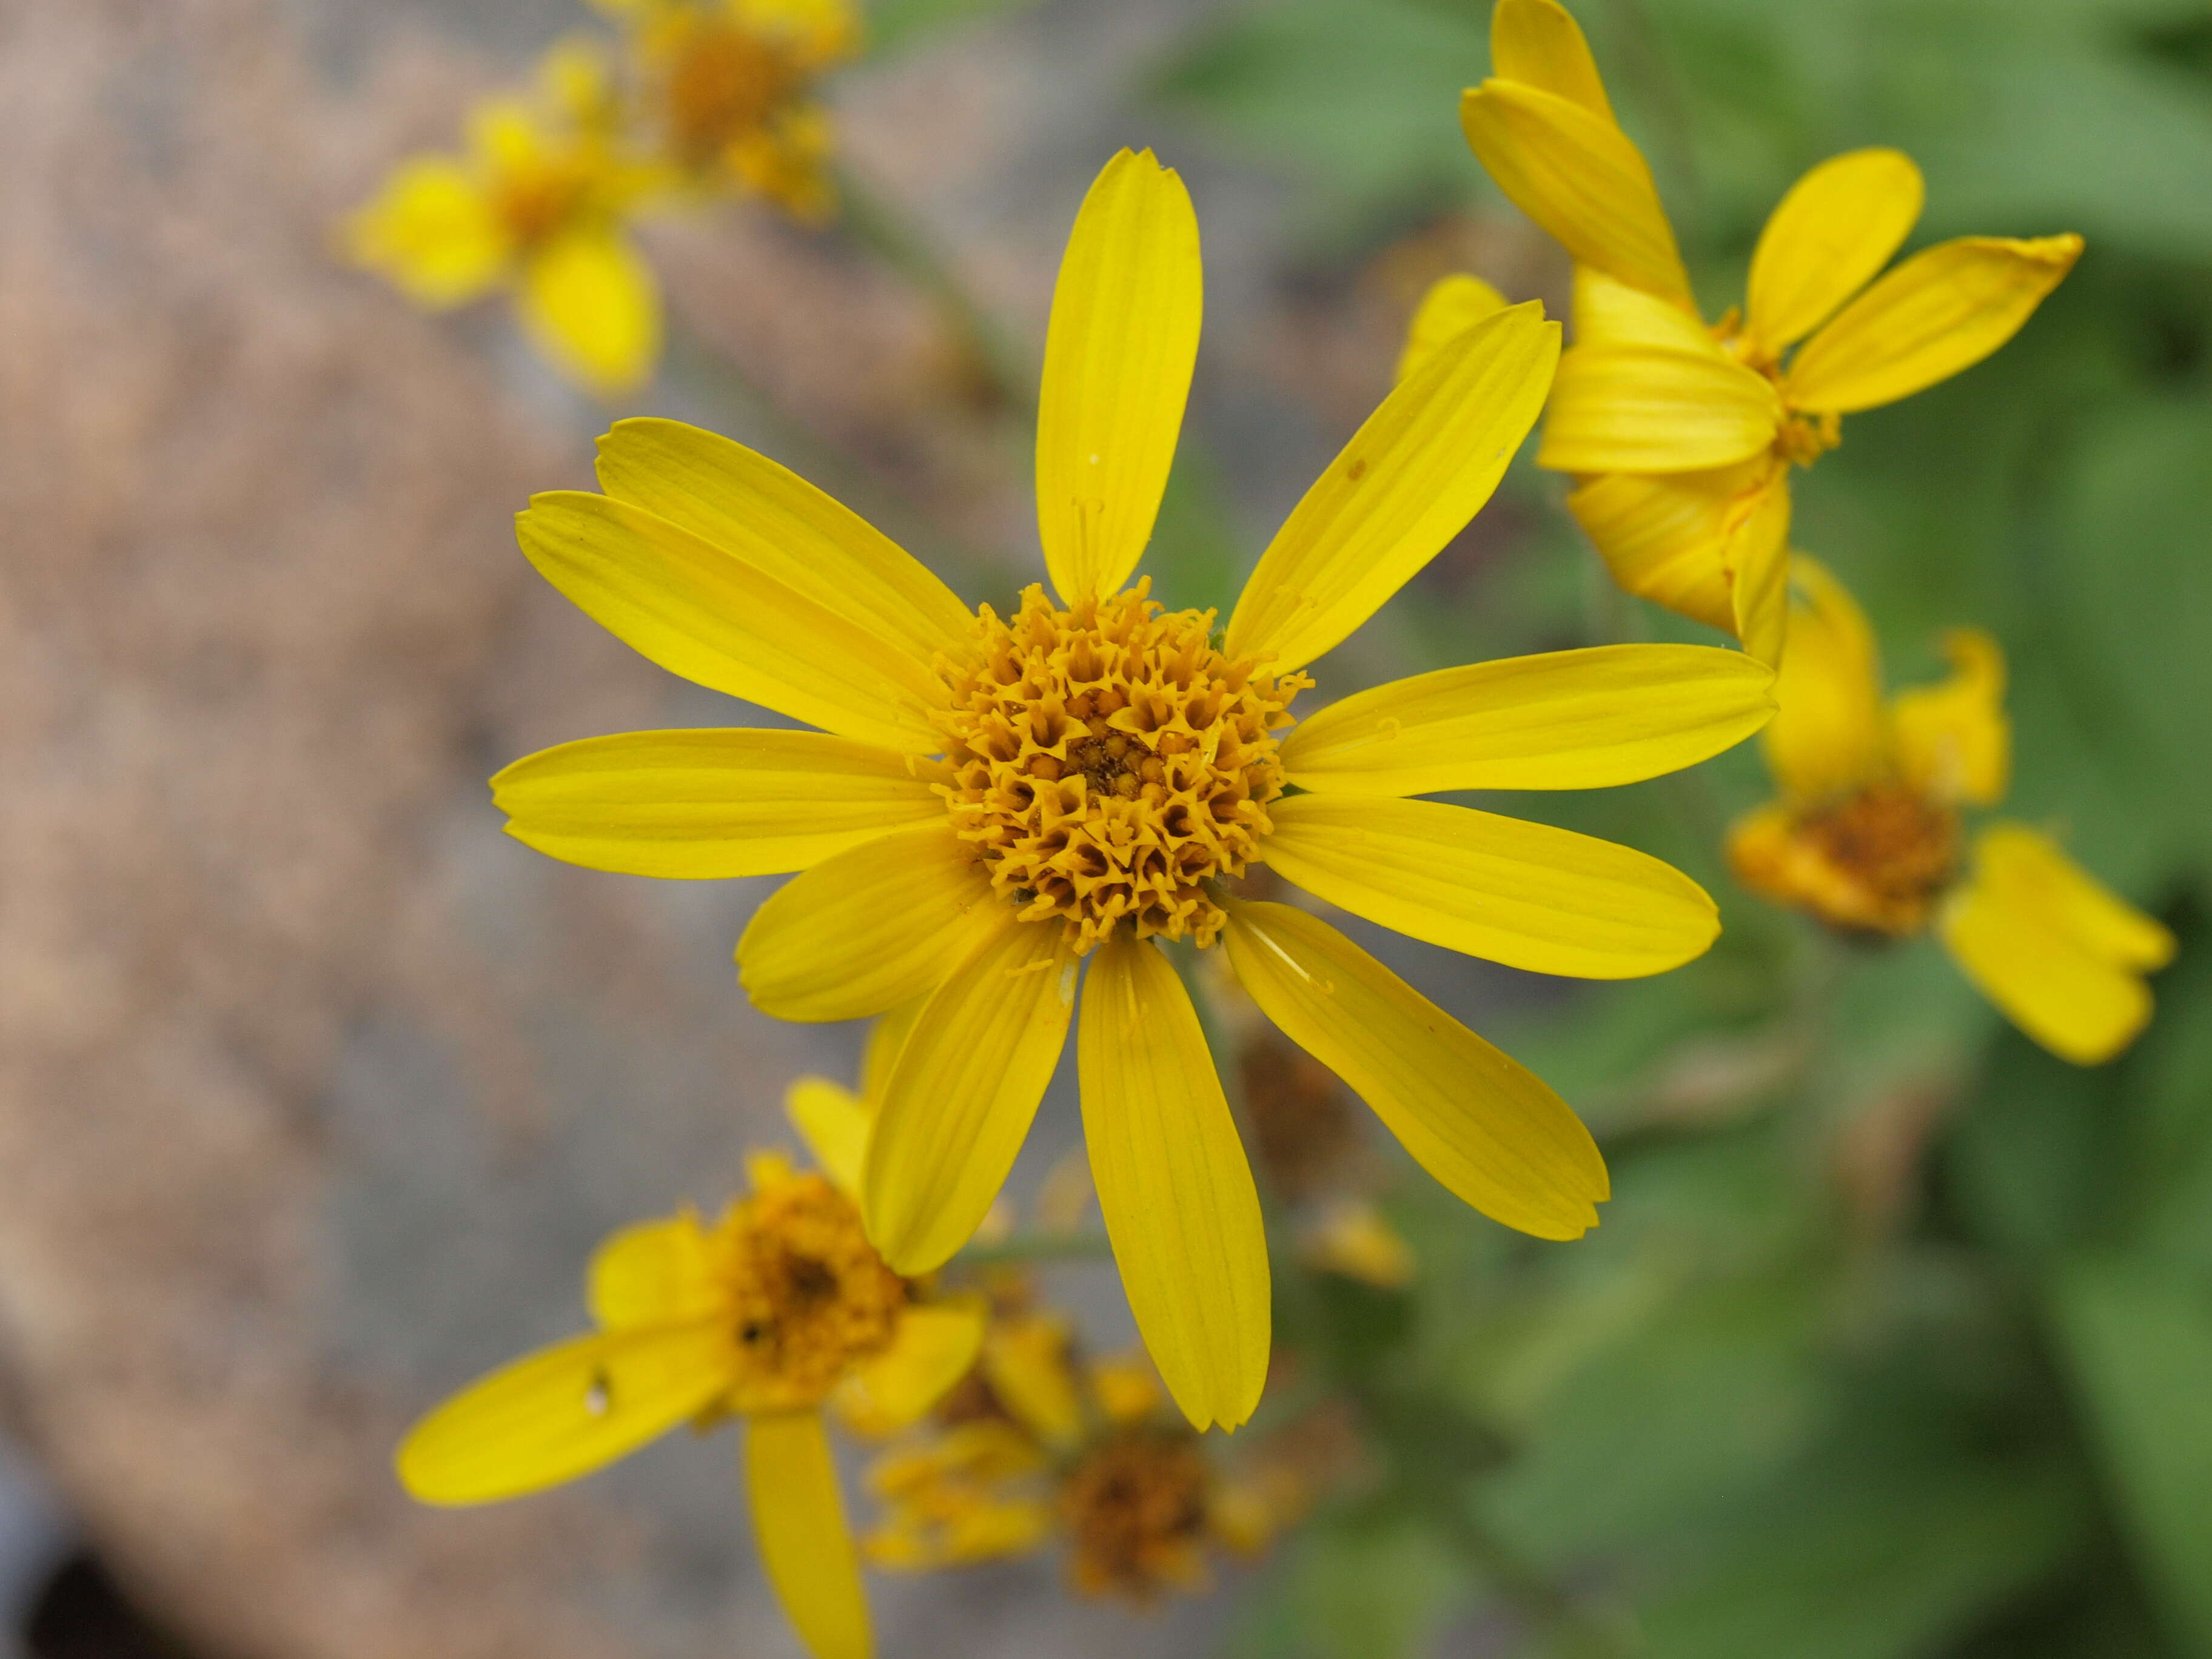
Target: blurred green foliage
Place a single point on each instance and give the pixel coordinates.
(1897, 1338)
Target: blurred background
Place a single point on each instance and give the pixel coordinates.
(316, 1090)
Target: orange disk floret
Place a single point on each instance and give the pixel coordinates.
(808, 1295)
(1107, 760)
(1874, 862)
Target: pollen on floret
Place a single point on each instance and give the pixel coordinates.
(1108, 762)
(1872, 862)
(1136, 1508)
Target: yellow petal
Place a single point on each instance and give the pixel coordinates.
(1566, 720)
(1451, 307)
(2060, 954)
(1117, 363)
(1838, 226)
(699, 612)
(777, 522)
(1407, 483)
(1661, 534)
(1173, 1184)
(1482, 1124)
(1645, 389)
(1577, 174)
(962, 1093)
(564, 1412)
(1953, 739)
(1028, 1362)
(798, 1526)
(1526, 895)
(433, 232)
(1828, 735)
(593, 306)
(834, 1124)
(1757, 554)
(706, 804)
(1940, 312)
(885, 1038)
(869, 929)
(1539, 43)
(657, 1273)
(933, 1349)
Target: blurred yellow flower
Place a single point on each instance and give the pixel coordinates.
(993, 799)
(1682, 437)
(1867, 834)
(537, 205)
(727, 85)
(773, 1309)
(1035, 1449)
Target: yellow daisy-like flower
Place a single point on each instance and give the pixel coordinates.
(727, 87)
(1682, 437)
(993, 799)
(537, 205)
(1034, 1447)
(1869, 833)
(779, 1307)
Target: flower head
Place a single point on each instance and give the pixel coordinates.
(1682, 437)
(773, 1309)
(536, 204)
(1869, 833)
(999, 804)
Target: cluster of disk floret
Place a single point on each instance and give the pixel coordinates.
(1802, 438)
(1137, 1508)
(1873, 861)
(1107, 762)
(807, 1294)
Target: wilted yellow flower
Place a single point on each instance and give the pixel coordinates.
(1869, 833)
(767, 1313)
(1682, 437)
(537, 204)
(727, 89)
(1035, 1447)
(993, 799)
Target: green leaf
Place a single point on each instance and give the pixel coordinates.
(2138, 1340)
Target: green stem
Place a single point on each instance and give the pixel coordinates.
(1021, 1247)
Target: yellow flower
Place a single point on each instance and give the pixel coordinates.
(993, 799)
(769, 1312)
(1867, 834)
(728, 88)
(1682, 437)
(536, 205)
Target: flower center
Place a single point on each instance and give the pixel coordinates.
(723, 83)
(1892, 850)
(1108, 762)
(1802, 438)
(536, 199)
(1136, 1508)
(808, 1295)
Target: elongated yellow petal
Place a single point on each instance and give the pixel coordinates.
(1661, 534)
(885, 1038)
(869, 929)
(1757, 554)
(1577, 174)
(700, 612)
(1940, 312)
(706, 804)
(432, 231)
(1407, 483)
(594, 305)
(1484, 1124)
(1953, 739)
(564, 1412)
(1566, 720)
(962, 1093)
(774, 521)
(1117, 363)
(1451, 307)
(657, 1273)
(934, 1347)
(1029, 1364)
(834, 1124)
(1645, 389)
(1173, 1184)
(2062, 956)
(1539, 43)
(798, 1526)
(1835, 228)
(1523, 894)
(1828, 735)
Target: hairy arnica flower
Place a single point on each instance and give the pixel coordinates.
(1868, 836)
(1682, 437)
(1036, 1448)
(539, 205)
(994, 798)
(775, 1309)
